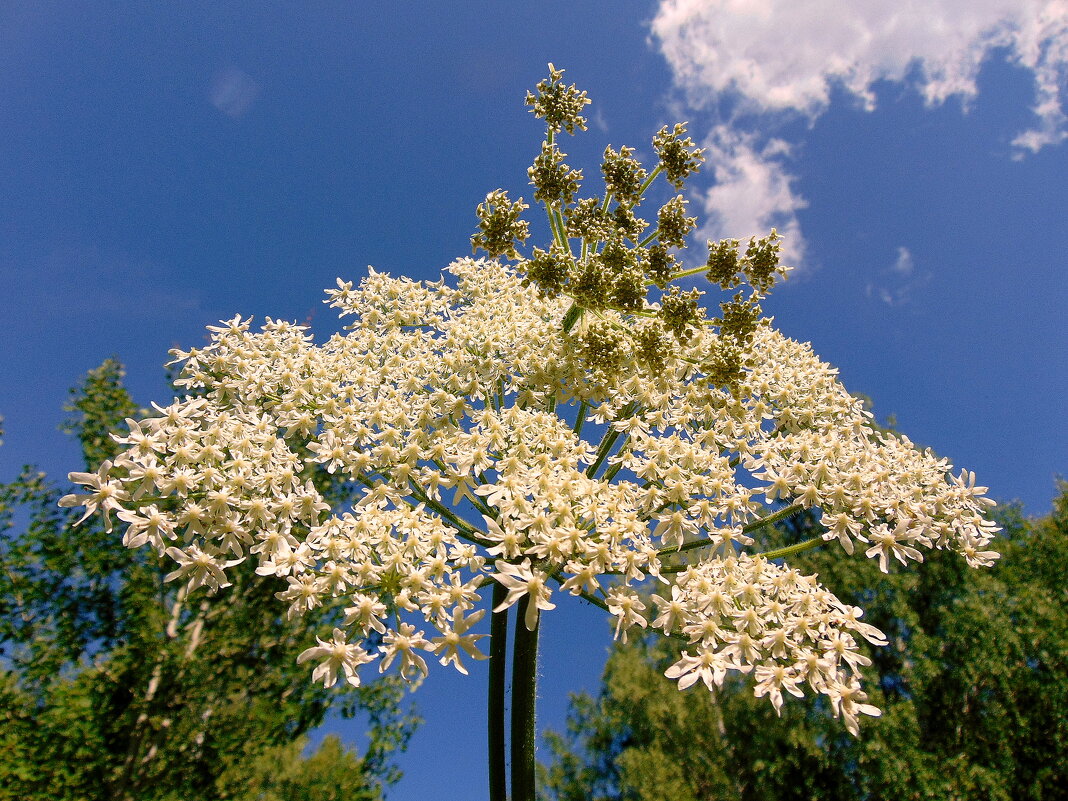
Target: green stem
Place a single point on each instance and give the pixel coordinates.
(587, 250)
(581, 418)
(687, 273)
(586, 596)
(565, 243)
(556, 224)
(609, 440)
(611, 472)
(463, 528)
(498, 783)
(650, 238)
(571, 316)
(649, 180)
(789, 550)
(775, 517)
(602, 453)
(524, 697)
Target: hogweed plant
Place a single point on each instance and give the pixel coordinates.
(566, 422)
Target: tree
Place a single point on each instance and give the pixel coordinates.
(117, 685)
(974, 692)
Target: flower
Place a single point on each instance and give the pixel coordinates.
(449, 645)
(596, 427)
(521, 580)
(104, 496)
(469, 385)
(338, 654)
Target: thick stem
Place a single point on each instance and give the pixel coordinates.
(524, 696)
(580, 418)
(498, 783)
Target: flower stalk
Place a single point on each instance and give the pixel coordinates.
(495, 728)
(524, 701)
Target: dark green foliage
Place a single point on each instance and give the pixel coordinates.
(331, 773)
(117, 686)
(973, 687)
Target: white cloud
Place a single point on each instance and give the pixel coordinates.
(785, 55)
(599, 121)
(753, 192)
(897, 284)
(904, 265)
(233, 92)
(769, 61)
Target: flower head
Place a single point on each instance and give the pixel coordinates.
(596, 429)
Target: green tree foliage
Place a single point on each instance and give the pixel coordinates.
(973, 687)
(332, 773)
(116, 685)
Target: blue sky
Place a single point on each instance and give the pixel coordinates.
(166, 165)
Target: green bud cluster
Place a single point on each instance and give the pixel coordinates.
(627, 225)
(659, 265)
(672, 223)
(651, 347)
(555, 184)
(727, 365)
(557, 104)
(623, 175)
(602, 348)
(614, 268)
(548, 270)
(499, 226)
(760, 265)
(723, 263)
(679, 158)
(739, 318)
(588, 220)
(679, 312)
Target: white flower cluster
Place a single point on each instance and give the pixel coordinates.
(481, 448)
(740, 613)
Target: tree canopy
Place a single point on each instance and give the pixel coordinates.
(116, 685)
